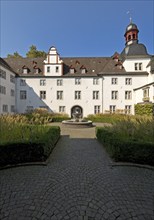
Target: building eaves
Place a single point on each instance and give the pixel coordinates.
(149, 84)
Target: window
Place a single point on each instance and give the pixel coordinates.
(146, 92)
(83, 71)
(96, 109)
(24, 70)
(114, 81)
(112, 108)
(59, 95)
(12, 108)
(77, 81)
(2, 89)
(95, 81)
(57, 69)
(12, 92)
(128, 95)
(128, 109)
(36, 70)
(128, 81)
(59, 82)
(114, 95)
(77, 94)
(2, 74)
(138, 66)
(72, 70)
(48, 69)
(95, 94)
(43, 94)
(5, 108)
(22, 82)
(129, 37)
(42, 82)
(61, 109)
(23, 94)
(12, 79)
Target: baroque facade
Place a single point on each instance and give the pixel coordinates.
(90, 85)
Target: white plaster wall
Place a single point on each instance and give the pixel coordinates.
(130, 63)
(33, 92)
(7, 99)
(120, 103)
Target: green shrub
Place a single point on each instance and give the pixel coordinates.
(129, 141)
(36, 145)
(144, 109)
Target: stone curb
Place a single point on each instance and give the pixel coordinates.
(23, 164)
(122, 164)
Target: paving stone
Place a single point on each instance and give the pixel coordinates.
(77, 184)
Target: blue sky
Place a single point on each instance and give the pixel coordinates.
(76, 28)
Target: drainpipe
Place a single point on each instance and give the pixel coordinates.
(102, 93)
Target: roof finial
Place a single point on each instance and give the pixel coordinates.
(130, 17)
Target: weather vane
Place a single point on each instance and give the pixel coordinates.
(130, 17)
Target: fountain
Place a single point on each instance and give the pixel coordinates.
(77, 121)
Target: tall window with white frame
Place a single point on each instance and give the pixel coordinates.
(128, 95)
(22, 82)
(57, 69)
(48, 69)
(97, 109)
(62, 109)
(95, 81)
(114, 95)
(59, 82)
(59, 95)
(128, 109)
(2, 74)
(77, 94)
(114, 81)
(95, 94)
(138, 66)
(128, 81)
(5, 108)
(112, 108)
(42, 94)
(77, 81)
(23, 94)
(42, 82)
(146, 94)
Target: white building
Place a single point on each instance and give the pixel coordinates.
(7, 88)
(89, 84)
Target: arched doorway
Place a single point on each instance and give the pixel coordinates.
(76, 109)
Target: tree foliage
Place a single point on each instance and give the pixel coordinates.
(32, 53)
(15, 55)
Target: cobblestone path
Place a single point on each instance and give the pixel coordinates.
(78, 183)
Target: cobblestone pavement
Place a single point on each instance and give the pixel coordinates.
(78, 183)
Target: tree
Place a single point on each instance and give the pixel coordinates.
(15, 55)
(33, 52)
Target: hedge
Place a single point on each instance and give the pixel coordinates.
(34, 151)
(126, 150)
(144, 109)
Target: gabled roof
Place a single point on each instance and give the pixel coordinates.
(6, 65)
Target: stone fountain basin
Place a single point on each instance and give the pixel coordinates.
(80, 124)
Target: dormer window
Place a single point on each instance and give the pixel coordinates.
(83, 70)
(72, 69)
(24, 70)
(36, 70)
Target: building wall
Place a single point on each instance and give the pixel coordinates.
(68, 87)
(7, 91)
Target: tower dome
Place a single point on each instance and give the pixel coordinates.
(132, 47)
(131, 34)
